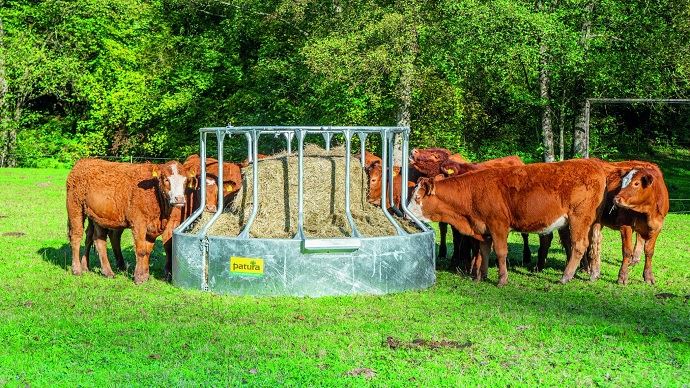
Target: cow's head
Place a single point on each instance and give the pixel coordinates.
(369, 159)
(424, 199)
(428, 161)
(232, 182)
(172, 181)
(636, 191)
(374, 171)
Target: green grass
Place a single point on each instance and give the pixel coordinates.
(59, 329)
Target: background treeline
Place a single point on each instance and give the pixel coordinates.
(487, 78)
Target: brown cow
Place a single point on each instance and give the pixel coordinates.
(466, 258)
(374, 196)
(636, 201)
(120, 195)
(537, 198)
(232, 183)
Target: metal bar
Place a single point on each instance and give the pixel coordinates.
(308, 129)
(362, 149)
(348, 213)
(640, 100)
(300, 184)
(327, 139)
(249, 148)
(404, 171)
(254, 146)
(384, 176)
(391, 168)
(220, 136)
(200, 210)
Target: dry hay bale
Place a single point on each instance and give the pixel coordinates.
(324, 199)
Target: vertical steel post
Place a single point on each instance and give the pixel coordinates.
(327, 139)
(300, 184)
(220, 135)
(254, 149)
(384, 177)
(391, 168)
(362, 147)
(348, 154)
(404, 171)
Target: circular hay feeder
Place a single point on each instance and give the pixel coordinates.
(301, 224)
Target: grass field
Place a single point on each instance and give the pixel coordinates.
(59, 329)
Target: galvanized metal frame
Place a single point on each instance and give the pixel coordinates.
(411, 256)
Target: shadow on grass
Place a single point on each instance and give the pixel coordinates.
(62, 257)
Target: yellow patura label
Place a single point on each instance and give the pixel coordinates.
(251, 266)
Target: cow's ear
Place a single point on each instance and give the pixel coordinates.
(411, 184)
(372, 165)
(647, 179)
(439, 177)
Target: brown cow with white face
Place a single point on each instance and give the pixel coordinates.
(643, 198)
(118, 196)
(536, 198)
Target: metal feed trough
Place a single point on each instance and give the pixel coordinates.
(304, 266)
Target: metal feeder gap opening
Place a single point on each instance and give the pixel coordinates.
(301, 265)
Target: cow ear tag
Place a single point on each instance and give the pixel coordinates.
(228, 187)
(450, 171)
(154, 173)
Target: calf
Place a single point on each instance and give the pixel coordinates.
(536, 198)
(466, 258)
(120, 195)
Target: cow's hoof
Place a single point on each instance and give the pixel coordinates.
(109, 274)
(594, 276)
(622, 280)
(565, 279)
(76, 270)
(502, 282)
(138, 279)
(649, 279)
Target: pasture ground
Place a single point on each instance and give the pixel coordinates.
(59, 329)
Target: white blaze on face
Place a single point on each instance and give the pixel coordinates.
(177, 185)
(210, 181)
(627, 178)
(416, 208)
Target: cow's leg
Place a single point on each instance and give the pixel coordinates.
(88, 243)
(564, 235)
(579, 240)
(167, 245)
(500, 241)
(544, 245)
(459, 248)
(143, 248)
(526, 254)
(648, 253)
(627, 248)
(442, 250)
(115, 241)
(482, 260)
(594, 259)
(75, 226)
(100, 235)
(639, 247)
(468, 253)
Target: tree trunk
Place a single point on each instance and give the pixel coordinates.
(406, 81)
(561, 140)
(579, 136)
(546, 124)
(3, 97)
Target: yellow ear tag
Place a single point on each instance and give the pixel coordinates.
(190, 185)
(395, 173)
(228, 187)
(154, 173)
(450, 171)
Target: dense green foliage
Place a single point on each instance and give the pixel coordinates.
(64, 330)
(138, 77)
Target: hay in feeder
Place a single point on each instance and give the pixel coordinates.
(324, 199)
